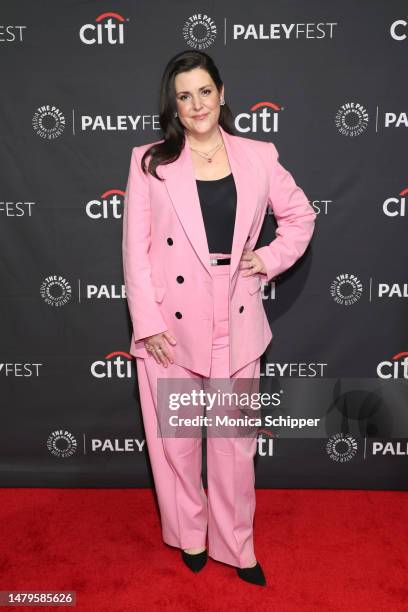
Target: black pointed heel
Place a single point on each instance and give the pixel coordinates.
(254, 574)
(195, 562)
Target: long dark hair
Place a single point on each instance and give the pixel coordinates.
(174, 136)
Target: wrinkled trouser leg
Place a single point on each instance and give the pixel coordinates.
(176, 464)
(230, 460)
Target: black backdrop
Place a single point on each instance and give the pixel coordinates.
(326, 82)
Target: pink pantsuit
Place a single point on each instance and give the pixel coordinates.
(217, 317)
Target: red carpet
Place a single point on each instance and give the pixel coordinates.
(320, 550)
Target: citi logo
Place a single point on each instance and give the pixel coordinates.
(265, 443)
(108, 28)
(117, 364)
(268, 290)
(109, 206)
(396, 367)
(396, 206)
(399, 29)
(262, 117)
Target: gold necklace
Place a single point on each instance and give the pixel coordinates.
(207, 155)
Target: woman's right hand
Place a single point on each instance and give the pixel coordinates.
(158, 346)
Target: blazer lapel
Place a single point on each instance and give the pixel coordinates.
(182, 189)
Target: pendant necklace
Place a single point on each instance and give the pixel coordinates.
(207, 156)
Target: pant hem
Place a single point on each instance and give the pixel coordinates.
(184, 546)
(233, 563)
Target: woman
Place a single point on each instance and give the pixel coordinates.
(194, 206)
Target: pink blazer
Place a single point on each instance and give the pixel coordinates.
(164, 237)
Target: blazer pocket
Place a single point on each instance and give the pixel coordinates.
(159, 291)
(253, 283)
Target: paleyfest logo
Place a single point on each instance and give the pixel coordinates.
(199, 31)
(48, 122)
(351, 119)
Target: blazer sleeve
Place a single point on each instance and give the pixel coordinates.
(294, 215)
(144, 310)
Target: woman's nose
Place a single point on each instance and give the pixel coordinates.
(197, 103)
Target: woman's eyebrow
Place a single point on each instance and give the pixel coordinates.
(203, 87)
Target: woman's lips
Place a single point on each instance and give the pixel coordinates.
(199, 117)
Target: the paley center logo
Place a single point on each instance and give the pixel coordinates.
(351, 119)
(341, 447)
(62, 443)
(48, 122)
(199, 31)
(346, 289)
(108, 28)
(55, 290)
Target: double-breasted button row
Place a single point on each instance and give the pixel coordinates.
(180, 279)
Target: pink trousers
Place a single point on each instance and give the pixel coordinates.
(185, 510)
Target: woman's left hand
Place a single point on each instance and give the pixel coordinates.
(251, 263)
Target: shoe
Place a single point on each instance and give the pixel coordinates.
(195, 562)
(254, 574)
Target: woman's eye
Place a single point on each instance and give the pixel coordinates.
(183, 96)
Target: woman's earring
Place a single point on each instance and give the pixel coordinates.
(222, 101)
(176, 114)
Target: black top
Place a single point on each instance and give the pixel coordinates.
(218, 200)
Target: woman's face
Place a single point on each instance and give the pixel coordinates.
(196, 94)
